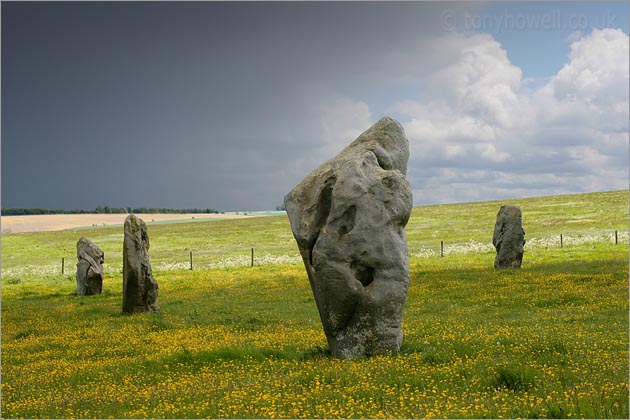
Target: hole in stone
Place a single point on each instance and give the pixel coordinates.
(345, 223)
(362, 273)
(381, 160)
(388, 182)
(323, 209)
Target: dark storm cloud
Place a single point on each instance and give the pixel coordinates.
(230, 104)
(177, 105)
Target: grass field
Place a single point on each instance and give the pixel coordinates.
(549, 340)
(52, 222)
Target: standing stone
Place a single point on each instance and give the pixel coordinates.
(347, 217)
(140, 289)
(509, 238)
(89, 268)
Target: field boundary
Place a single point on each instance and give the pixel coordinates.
(223, 258)
(55, 222)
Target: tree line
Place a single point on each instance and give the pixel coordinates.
(104, 210)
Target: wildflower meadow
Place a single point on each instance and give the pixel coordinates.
(234, 340)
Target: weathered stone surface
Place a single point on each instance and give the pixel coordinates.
(140, 289)
(89, 268)
(509, 238)
(347, 217)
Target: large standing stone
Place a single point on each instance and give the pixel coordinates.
(509, 238)
(347, 217)
(89, 268)
(140, 289)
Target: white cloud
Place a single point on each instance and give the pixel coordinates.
(327, 126)
(574, 36)
(482, 82)
(592, 89)
(342, 121)
(570, 134)
(598, 71)
(479, 130)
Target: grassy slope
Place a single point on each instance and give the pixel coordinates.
(549, 340)
(543, 217)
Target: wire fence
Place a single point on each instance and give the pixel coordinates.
(263, 256)
(548, 242)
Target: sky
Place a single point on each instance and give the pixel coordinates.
(229, 105)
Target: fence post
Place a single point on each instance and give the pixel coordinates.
(441, 248)
(191, 265)
(252, 256)
(561, 240)
(616, 239)
(62, 264)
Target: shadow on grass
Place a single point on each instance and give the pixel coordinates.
(513, 377)
(189, 359)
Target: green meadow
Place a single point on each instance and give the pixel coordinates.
(238, 341)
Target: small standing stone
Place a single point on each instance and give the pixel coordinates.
(509, 238)
(89, 268)
(348, 218)
(140, 289)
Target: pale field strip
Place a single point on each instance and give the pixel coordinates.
(463, 248)
(51, 222)
(471, 246)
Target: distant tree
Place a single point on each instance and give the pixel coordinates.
(20, 211)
